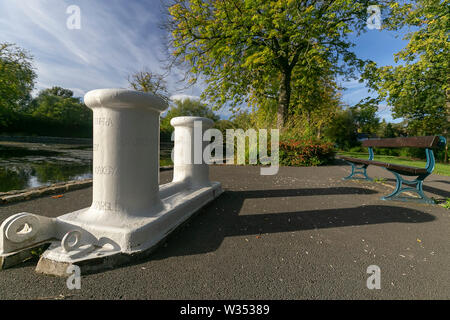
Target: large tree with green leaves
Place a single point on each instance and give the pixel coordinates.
(247, 51)
(418, 89)
(59, 105)
(17, 77)
(365, 116)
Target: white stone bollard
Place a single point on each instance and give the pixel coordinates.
(130, 213)
(189, 164)
(126, 151)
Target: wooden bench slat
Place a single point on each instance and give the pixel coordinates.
(358, 160)
(406, 170)
(418, 142)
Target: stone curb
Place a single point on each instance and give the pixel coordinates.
(23, 195)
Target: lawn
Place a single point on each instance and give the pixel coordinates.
(165, 161)
(440, 168)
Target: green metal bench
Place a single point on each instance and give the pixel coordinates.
(359, 166)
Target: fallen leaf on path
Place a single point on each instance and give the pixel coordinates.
(58, 196)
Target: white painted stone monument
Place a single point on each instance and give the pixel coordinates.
(130, 213)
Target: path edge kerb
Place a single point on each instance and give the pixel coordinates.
(61, 187)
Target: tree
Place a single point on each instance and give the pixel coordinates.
(59, 105)
(184, 108)
(389, 131)
(147, 81)
(16, 80)
(317, 101)
(247, 51)
(243, 120)
(418, 90)
(364, 114)
(223, 125)
(342, 130)
(57, 91)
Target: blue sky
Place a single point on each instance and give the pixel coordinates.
(118, 37)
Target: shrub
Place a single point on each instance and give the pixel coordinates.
(306, 152)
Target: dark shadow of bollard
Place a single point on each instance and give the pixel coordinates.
(221, 219)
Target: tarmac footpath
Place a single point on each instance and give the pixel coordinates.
(301, 234)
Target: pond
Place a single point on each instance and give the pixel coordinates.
(29, 165)
(26, 165)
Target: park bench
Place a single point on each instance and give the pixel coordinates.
(359, 166)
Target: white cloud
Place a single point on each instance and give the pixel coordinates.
(182, 97)
(116, 38)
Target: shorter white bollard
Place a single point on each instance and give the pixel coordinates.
(130, 213)
(189, 164)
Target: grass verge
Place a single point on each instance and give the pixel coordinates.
(440, 168)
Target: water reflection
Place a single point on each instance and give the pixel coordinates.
(29, 166)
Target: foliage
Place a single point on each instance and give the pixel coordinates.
(251, 51)
(364, 115)
(17, 77)
(446, 204)
(243, 120)
(379, 180)
(305, 153)
(316, 100)
(346, 123)
(223, 125)
(147, 81)
(182, 108)
(37, 252)
(25, 124)
(59, 105)
(54, 112)
(342, 130)
(418, 89)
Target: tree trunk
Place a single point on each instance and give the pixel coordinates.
(284, 99)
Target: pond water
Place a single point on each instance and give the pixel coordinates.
(28, 165)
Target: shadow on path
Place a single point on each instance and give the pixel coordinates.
(221, 219)
(442, 181)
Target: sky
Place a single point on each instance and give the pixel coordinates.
(118, 37)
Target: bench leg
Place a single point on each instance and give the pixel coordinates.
(358, 170)
(400, 189)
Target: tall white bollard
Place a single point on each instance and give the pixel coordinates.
(130, 213)
(189, 164)
(126, 151)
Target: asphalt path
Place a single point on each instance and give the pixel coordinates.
(301, 234)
